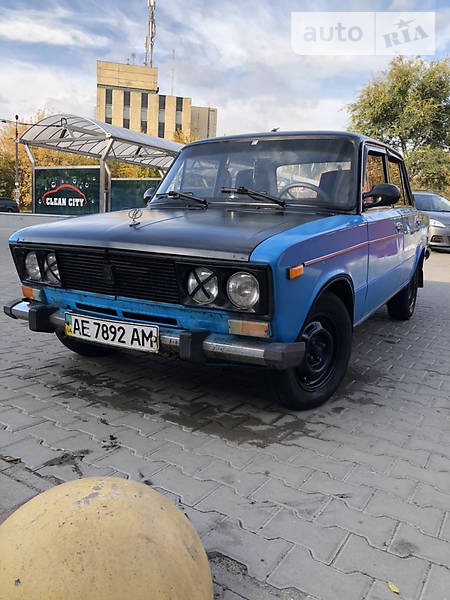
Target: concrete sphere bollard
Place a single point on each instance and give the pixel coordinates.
(102, 539)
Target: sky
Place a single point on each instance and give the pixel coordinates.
(237, 55)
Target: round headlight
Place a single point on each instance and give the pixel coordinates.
(51, 269)
(32, 269)
(243, 290)
(203, 285)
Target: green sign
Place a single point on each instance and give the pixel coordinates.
(129, 193)
(66, 190)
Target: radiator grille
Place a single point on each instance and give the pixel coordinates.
(119, 273)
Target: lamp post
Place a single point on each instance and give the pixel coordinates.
(16, 180)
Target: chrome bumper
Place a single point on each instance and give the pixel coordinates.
(195, 346)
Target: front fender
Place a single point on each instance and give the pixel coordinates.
(329, 250)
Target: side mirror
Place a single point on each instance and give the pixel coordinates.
(383, 194)
(148, 194)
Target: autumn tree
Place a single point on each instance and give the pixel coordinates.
(8, 162)
(184, 138)
(408, 107)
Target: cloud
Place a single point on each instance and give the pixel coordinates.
(233, 55)
(290, 116)
(39, 27)
(50, 89)
(443, 31)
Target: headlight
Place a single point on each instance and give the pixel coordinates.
(203, 285)
(51, 271)
(436, 223)
(243, 290)
(32, 268)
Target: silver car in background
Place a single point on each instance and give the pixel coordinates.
(438, 210)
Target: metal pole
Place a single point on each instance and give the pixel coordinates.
(33, 177)
(16, 182)
(151, 5)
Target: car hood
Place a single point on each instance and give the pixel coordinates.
(443, 217)
(230, 233)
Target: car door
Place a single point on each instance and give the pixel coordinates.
(413, 221)
(385, 232)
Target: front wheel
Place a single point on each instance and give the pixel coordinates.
(83, 348)
(327, 334)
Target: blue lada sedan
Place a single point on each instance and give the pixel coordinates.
(263, 249)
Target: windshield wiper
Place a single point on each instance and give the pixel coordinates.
(184, 195)
(253, 193)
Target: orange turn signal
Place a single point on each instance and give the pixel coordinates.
(32, 293)
(27, 292)
(253, 328)
(295, 271)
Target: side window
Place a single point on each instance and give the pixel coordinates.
(395, 177)
(374, 172)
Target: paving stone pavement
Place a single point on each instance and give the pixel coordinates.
(322, 505)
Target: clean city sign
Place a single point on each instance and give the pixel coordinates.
(363, 33)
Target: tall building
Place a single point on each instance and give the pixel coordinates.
(128, 96)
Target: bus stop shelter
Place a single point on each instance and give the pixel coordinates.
(88, 137)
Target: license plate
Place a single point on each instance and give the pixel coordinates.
(133, 336)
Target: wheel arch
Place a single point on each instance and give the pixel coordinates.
(342, 287)
(419, 266)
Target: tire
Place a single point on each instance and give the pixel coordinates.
(328, 334)
(83, 348)
(401, 306)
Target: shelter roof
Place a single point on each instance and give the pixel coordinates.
(88, 137)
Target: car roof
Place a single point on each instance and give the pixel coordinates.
(318, 134)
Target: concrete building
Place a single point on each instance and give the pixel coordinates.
(128, 96)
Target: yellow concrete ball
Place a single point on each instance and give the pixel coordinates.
(101, 539)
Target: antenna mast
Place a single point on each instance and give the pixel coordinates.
(151, 30)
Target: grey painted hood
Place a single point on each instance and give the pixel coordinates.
(229, 233)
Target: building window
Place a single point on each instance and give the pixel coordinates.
(144, 100)
(108, 106)
(143, 126)
(179, 114)
(162, 102)
(126, 110)
(161, 130)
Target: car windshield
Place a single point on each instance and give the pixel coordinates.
(296, 171)
(431, 202)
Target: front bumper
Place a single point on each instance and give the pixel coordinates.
(198, 346)
(439, 237)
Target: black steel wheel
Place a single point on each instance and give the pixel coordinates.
(83, 348)
(327, 334)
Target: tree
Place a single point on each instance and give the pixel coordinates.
(8, 163)
(184, 138)
(6, 175)
(429, 168)
(408, 107)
